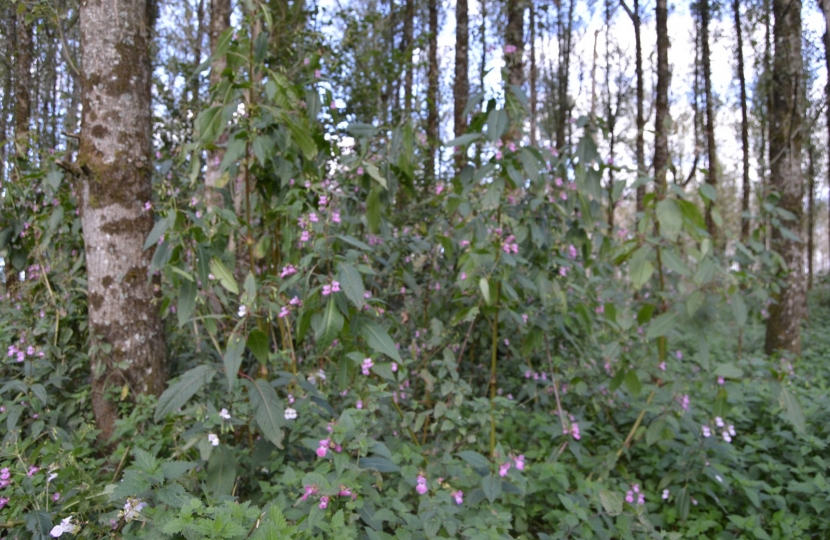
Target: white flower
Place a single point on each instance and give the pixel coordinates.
(290, 414)
(731, 430)
(718, 478)
(726, 436)
(51, 477)
(321, 374)
(242, 310)
(65, 526)
(706, 431)
(132, 508)
(719, 421)
(225, 414)
(214, 440)
(665, 494)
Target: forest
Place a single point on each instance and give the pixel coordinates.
(410, 269)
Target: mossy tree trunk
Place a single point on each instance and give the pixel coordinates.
(220, 20)
(662, 119)
(789, 303)
(128, 345)
(461, 85)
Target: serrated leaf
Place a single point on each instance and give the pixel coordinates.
(640, 268)
(491, 486)
(187, 302)
(233, 359)
(476, 460)
(221, 471)
(792, 410)
(330, 325)
(269, 412)
(258, 343)
(132, 483)
(661, 325)
(351, 283)
(224, 275)
(379, 464)
(180, 392)
(612, 502)
(379, 340)
(674, 263)
(174, 469)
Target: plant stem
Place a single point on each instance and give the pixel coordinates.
(493, 365)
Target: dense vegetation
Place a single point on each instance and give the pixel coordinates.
(364, 339)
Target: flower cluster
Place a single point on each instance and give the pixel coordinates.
(333, 287)
(421, 485)
(67, 525)
(635, 492)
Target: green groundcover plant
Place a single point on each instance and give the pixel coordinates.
(359, 352)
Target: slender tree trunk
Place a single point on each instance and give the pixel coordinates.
(115, 157)
(220, 20)
(566, 37)
(825, 8)
(788, 308)
(711, 145)
(634, 15)
(514, 39)
(461, 86)
(811, 214)
(432, 92)
(768, 89)
(533, 75)
(197, 56)
(662, 118)
(22, 83)
(610, 114)
(746, 187)
(408, 22)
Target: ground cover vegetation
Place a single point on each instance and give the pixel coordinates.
(271, 304)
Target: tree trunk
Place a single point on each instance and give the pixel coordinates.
(432, 92)
(634, 15)
(661, 117)
(408, 22)
(220, 20)
(745, 192)
(461, 86)
(533, 75)
(514, 39)
(711, 145)
(825, 8)
(768, 83)
(563, 77)
(115, 157)
(22, 82)
(811, 214)
(788, 308)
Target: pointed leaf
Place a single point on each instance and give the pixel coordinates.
(233, 359)
(352, 284)
(330, 325)
(268, 409)
(258, 343)
(379, 340)
(224, 275)
(181, 391)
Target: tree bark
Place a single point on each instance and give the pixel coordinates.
(746, 186)
(711, 145)
(432, 92)
(825, 8)
(408, 22)
(514, 37)
(461, 86)
(115, 156)
(563, 77)
(22, 81)
(220, 20)
(634, 15)
(661, 117)
(789, 303)
(533, 75)
(811, 214)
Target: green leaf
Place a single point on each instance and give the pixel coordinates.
(330, 325)
(476, 460)
(258, 343)
(632, 382)
(463, 140)
(187, 302)
(661, 325)
(268, 409)
(351, 283)
(739, 309)
(373, 210)
(491, 486)
(673, 262)
(792, 410)
(302, 137)
(233, 359)
(640, 268)
(174, 469)
(612, 502)
(670, 218)
(484, 285)
(379, 340)
(159, 229)
(694, 302)
(180, 392)
(221, 471)
(210, 123)
(729, 371)
(374, 172)
(380, 464)
(224, 275)
(708, 192)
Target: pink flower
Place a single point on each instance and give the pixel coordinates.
(359, 404)
(323, 448)
(287, 270)
(662, 366)
(509, 49)
(32, 470)
(721, 381)
(519, 461)
(3, 502)
(324, 502)
(56, 496)
(575, 431)
(572, 251)
(421, 485)
(284, 312)
(679, 355)
(316, 73)
(458, 496)
(309, 491)
(366, 365)
(504, 468)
